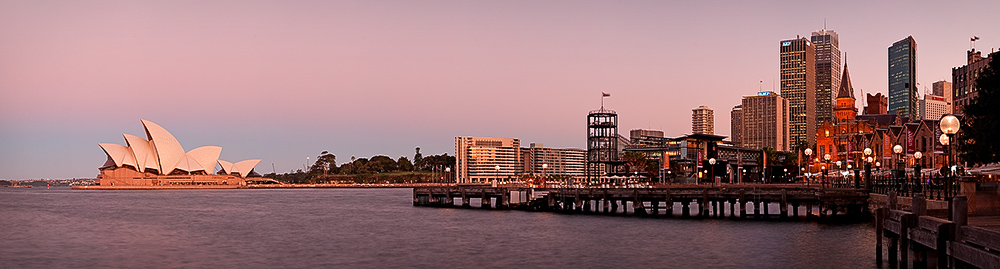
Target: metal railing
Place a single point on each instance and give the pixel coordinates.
(931, 187)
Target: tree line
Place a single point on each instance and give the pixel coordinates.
(326, 165)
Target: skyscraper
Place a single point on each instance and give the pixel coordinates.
(798, 86)
(827, 44)
(903, 78)
(703, 120)
(736, 123)
(765, 121)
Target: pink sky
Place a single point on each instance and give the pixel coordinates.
(283, 80)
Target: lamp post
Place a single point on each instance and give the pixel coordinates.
(898, 150)
(497, 178)
(916, 170)
(949, 126)
(711, 169)
(447, 171)
(826, 161)
(544, 165)
(868, 169)
(808, 152)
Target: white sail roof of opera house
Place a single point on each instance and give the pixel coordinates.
(160, 153)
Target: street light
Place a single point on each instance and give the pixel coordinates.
(711, 165)
(498, 174)
(544, 165)
(899, 159)
(916, 165)
(809, 153)
(447, 171)
(868, 168)
(949, 126)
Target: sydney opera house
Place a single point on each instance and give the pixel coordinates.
(159, 160)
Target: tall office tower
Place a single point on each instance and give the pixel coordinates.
(736, 122)
(964, 79)
(798, 86)
(477, 158)
(877, 104)
(846, 110)
(827, 44)
(943, 89)
(703, 120)
(765, 121)
(903, 78)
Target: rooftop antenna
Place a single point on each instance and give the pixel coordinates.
(760, 86)
(824, 24)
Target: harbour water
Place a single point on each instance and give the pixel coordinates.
(379, 228)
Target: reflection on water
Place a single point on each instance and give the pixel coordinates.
(368, 228)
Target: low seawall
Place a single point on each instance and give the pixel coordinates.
(259, 186)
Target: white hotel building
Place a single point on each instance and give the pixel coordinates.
(484, 159)
(477, 160)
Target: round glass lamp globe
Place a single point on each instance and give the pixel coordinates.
(868, 151)
(711, 161)
(826, 157)
(918, 155)
(949, 124)
(897, 149)
(809, 152)
(943, 139)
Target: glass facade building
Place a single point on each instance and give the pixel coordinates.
(798, 86)
(827, 44)
(903, 78)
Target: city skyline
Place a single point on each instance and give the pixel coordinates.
(284, 81)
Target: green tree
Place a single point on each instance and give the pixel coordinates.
(404, 164)
(325, 163)
(634, 161)
(418, 160)
(979, 137)
(382, 164)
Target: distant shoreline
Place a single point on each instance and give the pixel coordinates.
(260, 186)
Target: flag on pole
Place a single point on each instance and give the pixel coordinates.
(604, 94)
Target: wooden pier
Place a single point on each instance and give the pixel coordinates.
(792, 201)
(927, 241)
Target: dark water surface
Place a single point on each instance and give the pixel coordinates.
(379, 228)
